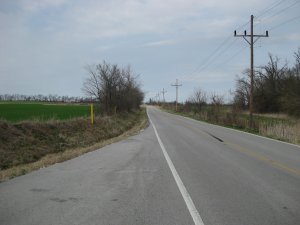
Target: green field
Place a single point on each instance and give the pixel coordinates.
(15, 112)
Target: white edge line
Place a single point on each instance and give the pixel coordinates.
(186, 196)
(267, 138)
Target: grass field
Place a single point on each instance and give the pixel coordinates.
(15, 112)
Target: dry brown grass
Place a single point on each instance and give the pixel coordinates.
(273, 115)
(274, 125)
(282, 131)
(119, 130)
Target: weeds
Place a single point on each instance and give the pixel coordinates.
(277, 126)
(282, 131)
(31, 145)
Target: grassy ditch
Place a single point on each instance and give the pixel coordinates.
(279, 127)
(27, 146)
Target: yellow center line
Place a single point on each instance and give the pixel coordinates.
(196, 130)
(264, 158)
(248, 152)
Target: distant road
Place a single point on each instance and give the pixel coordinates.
(177, 171)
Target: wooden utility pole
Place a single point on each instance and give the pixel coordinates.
(163, 92)
(176, 85)
(251, 43)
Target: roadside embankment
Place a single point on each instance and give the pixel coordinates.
(30, 145)
(283, 127)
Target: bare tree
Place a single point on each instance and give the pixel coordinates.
(198, 98)
(290, 94)
(276, 87)
(297, 63)
(242, 92)
(91, 85)
(269, 86)
(116, 89)
(217, 101)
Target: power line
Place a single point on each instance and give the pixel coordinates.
(266, 10)
(211, 59)
(285, 22)
(211, 55)
(227, 60)
(225, 45)
(217, 56)
(280, 11)
(240, 50)
(218, 50)
(242, 26)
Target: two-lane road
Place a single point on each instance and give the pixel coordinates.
(177, 171)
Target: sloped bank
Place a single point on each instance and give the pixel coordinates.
(28, 145)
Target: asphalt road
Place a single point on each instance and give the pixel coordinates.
(177, 171)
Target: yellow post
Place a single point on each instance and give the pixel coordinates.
(92, 113)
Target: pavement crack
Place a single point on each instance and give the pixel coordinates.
(219, 139)
(39, 190)
(60, 200)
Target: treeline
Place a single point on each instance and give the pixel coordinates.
(116, 89)
(276, 88)
(205, 106)
(44, 98)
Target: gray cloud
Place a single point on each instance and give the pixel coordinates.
(52, 40)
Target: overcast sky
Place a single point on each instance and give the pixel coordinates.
(45, 44)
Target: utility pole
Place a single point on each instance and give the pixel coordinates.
(176, 85)
(163, 92)
(251, 43)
